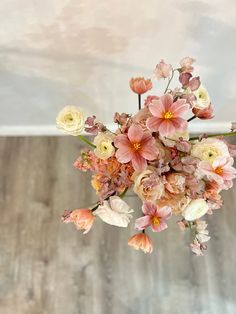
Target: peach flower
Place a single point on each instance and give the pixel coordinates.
(140, 85)
(167, 115)
(142, 242)
(83, 219)
(148, 188)
(204, 114)
(154, 216)
(175, 183)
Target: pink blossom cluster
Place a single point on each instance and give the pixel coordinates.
(152, 153)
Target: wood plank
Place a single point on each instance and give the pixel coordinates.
(49, 267)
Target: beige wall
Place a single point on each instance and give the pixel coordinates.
(83, 52)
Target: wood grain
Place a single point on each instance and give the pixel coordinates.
(47, 267)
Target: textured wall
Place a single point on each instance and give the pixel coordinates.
(83, 52)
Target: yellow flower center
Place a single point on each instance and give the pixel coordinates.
(136, 146)
(168, 115)
(155, 221)
(218, 170)
(68, 117)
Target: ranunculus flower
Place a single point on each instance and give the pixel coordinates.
(104, 147)
(167, 115)
(195, 209)
(175, 182)
(140, 85)
(116, 212)
(153, 216)
(71, 120)
(209, 149)
(162, 70)
(148, 186)
(137, 146)
(203, 100)
(186, 64)
(204, 114)
(142, 242)
(83, 218)
(220, 171)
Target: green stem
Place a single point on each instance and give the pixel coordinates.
(139, 101)
(214, 135)
(82, 138)
(170, 79)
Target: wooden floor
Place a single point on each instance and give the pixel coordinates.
(47, 267)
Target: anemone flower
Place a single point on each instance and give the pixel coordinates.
(137, 146)
(167, 115)
(153, 216)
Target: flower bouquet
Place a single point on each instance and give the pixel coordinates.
(151, 153)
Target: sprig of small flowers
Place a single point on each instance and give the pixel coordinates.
(151, 152)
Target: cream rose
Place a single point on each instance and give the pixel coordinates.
(195, 209)
(104, 148)
(148, 188)
(203, 100)
(209, 149)
(71, 120)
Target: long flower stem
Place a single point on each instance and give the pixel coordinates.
(192, 118)
(82, 138)
(214, 135)
(170, 79)
(139, 101)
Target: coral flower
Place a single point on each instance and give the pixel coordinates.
(153, 216)
(141, 242)
(167, 115)
(220, 171)
(139, 85)
(83, 219)
(137, 146)
(204, 114)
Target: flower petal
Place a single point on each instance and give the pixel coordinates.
(149, 208)
(158, 228)
(166, 128)
(121, 140)
(164, 212)
(138, 162)
(179, 107)
(167, 101)
(142, 223)
(153, 124)
(157, 108)
(135, 133)
(124, 155)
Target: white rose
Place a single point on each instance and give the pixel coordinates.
(195, 209)
(202, 98)
(209, 149)
(71, 120)
(104, 148)
(115, 212)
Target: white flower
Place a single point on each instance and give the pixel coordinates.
(202, 98)
(71, 120)
(195, 209)
(209, 149)
(117, 213)
(104, 148)
(202, 233)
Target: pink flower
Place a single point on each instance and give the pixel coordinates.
(141, 242)
(153, 216)
(162, 70)
(149, 100)
(186, 64)
(83, 218)
(167, 115)
(137, 146)
(221, 171)
(139, 85)
(204, 114)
